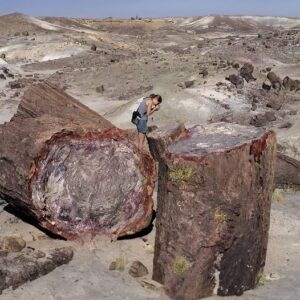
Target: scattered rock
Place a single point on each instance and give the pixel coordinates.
(2, 76)
(272, 276)
(236, 80)
(100, 89)
(261, 120)
(12, 244)
(137, 269)
(275, 80)
(25, 33)
(119, 264)
(236, 66)
(3, 56)
(204, 73)
(290, 84)
(275, 102)
(246, 72)
(5, 70)
(270, 116)
(94, 47)
(186, 84)
(151, 285)
(15, 85)
(267, 85)
(285, 125)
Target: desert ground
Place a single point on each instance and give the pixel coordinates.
(109, 65)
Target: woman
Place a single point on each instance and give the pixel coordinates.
(147, 107)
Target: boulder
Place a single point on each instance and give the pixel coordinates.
(275, 80)
(236, 80)
(246, 72)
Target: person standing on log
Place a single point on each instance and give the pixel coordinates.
(147, 107)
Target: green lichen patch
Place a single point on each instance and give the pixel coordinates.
(261, 279)
(277, 196)
(181, 175)
(219, 215)
(180, 265)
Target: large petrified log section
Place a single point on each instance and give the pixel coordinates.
(73, 170)
(214, 195)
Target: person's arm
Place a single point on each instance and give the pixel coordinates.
(150, 111)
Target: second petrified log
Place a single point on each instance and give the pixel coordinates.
(214, 196)
(72, 170)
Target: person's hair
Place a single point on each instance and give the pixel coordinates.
(158, 97)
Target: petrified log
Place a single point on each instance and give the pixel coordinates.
(17, 269)
(214, 196)
(73, 170)
(246, 72)
(275, 80)
(290, 84)
(287, 171)
(236, 80)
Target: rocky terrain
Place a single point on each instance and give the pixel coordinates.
(242, 70)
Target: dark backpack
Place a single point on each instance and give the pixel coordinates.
(136, 116)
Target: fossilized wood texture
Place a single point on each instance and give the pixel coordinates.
(72, 170)
(214, 196)
(19, 268)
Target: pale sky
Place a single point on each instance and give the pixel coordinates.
(150, 8)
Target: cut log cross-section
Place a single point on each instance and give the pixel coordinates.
(214, 195)
(72, 170)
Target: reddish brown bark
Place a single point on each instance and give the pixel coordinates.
(73, 170)
(214, 195)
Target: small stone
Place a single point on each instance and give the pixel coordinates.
(137, 269)
(204, 73)
(15, 85)
(2, 76)
(267, 85)
(5, 70)
(270, 116)
(93, 47)
(112, 266)
(272, 276)
(25, 33)
(3, 56)
(151, 285)
(100, 89)
(119, 264)
(13, 244)
(189, 84)
(286, 125)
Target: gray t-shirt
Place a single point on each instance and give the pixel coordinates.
(142, 109)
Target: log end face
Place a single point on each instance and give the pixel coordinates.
(93, 183)
(213, 138)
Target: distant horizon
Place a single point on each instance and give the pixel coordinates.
(125, 9)
(149, 17)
